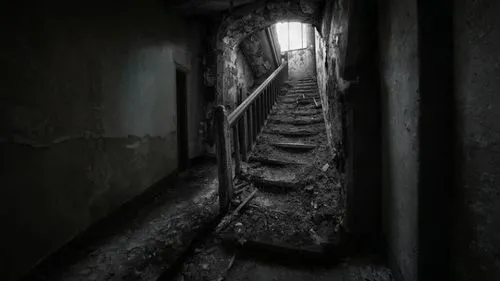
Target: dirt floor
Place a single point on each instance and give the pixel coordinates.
(143, 240)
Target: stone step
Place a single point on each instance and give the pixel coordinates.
(297, 106)
(269, 160)
(297, 133)
(306, 95)
(299, 99)
(296, 120)
(305, 90)
(290, 129)
(306, 85)
(264, 176)
(295, 113)
(266, 137)
(268, 154)
(272, 161)
(291, 145)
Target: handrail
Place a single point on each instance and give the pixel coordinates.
(238, 112)
(236, 133)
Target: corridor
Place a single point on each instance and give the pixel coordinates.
(250, 140)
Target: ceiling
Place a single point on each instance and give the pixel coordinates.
(207, 6)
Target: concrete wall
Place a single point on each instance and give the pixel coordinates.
(477, 85)
(399, 70)
(302, 63)
(89, 116)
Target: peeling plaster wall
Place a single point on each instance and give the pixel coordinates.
(329, 61)
(245, 75)
(258, 51)
(246, 21)
(302, 63)
(88, 116)
(476, 245)
(400, 102)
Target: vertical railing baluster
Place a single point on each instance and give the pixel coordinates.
(250, 127)
(237, 154)
(262, 112)
(255, 121)
(266, 102)
(243, 131)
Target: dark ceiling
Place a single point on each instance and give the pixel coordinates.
(207, 6)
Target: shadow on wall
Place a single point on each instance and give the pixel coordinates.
(90, 110)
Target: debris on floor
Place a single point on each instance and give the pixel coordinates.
(287, 206)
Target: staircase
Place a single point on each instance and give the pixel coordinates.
(286, 203)
(297, 206)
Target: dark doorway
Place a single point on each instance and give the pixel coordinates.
(182, 135)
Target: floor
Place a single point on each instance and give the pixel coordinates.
(143, 240)
(287, 214)
(285, 223)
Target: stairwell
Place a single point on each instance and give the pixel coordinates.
(298, 203)
(287, 206)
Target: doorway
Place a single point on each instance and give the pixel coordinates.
(182, 134)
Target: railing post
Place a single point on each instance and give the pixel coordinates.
(223, 158)
(237, 152)
(243, 130)
(250, 126)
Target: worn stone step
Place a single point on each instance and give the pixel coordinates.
(265, 176)
(296, 106)
(309, 84)
(300, 100)
(305, 90)
(296, 120)
(272, 161)
(308, 112)
(298, 133)
(265, 138)
(268, 154)
(291, 145)
(307, 94)
(296, 113)
(291, 130)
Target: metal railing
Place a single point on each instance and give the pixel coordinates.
(245, 122)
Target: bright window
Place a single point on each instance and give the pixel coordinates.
(291, 35)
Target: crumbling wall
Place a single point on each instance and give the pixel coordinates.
(302, 62)
(245, 75)
(259, 54)
(246, 21)
(89, 116)
(330, 48)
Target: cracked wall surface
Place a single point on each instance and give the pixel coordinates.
(258, 51)
(245, 21)
(89, 116)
